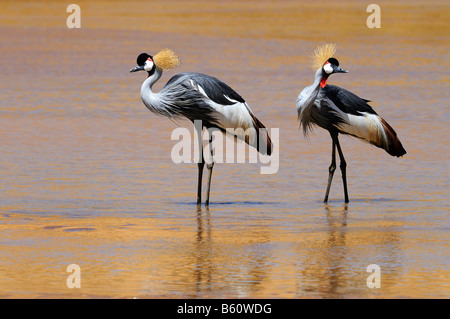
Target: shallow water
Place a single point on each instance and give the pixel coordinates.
(87, 176)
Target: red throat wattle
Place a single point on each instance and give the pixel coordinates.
(323, 82)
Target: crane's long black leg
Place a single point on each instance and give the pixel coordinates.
(199, 183)
(209, 166)
(343, 166)
(332, 167)
(201, 165)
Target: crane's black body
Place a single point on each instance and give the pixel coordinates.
(340, 111)
(200, 97)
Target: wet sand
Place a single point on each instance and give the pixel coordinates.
(87, 176)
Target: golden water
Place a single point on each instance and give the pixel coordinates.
(87, 177)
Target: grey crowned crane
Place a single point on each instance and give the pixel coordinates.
(340, 111)
(201, 97)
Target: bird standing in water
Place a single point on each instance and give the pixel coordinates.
(201, 97)
(340, 111)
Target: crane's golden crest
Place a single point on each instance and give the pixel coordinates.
(166, 59)
(322, 54)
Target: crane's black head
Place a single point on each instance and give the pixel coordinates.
(332, 66)
(144, 63)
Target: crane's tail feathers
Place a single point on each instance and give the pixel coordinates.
(374, 130)
(394, 146)
(264, 144)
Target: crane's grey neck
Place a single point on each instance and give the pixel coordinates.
(315, 87)
(308, 95)
(154, 101)
(153, 77)
(305, 102)
(318, 77)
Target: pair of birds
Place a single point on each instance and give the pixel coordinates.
(197, 96)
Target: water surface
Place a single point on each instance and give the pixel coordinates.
(87, 177)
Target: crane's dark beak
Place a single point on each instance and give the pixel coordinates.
(339, 70)
(137, 68)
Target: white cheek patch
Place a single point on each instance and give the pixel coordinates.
(328, 68)
(148, 65)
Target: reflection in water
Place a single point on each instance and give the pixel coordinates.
(241, 272)
(338, 262)
(327, 257)
(203, 267)
(335, 248)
